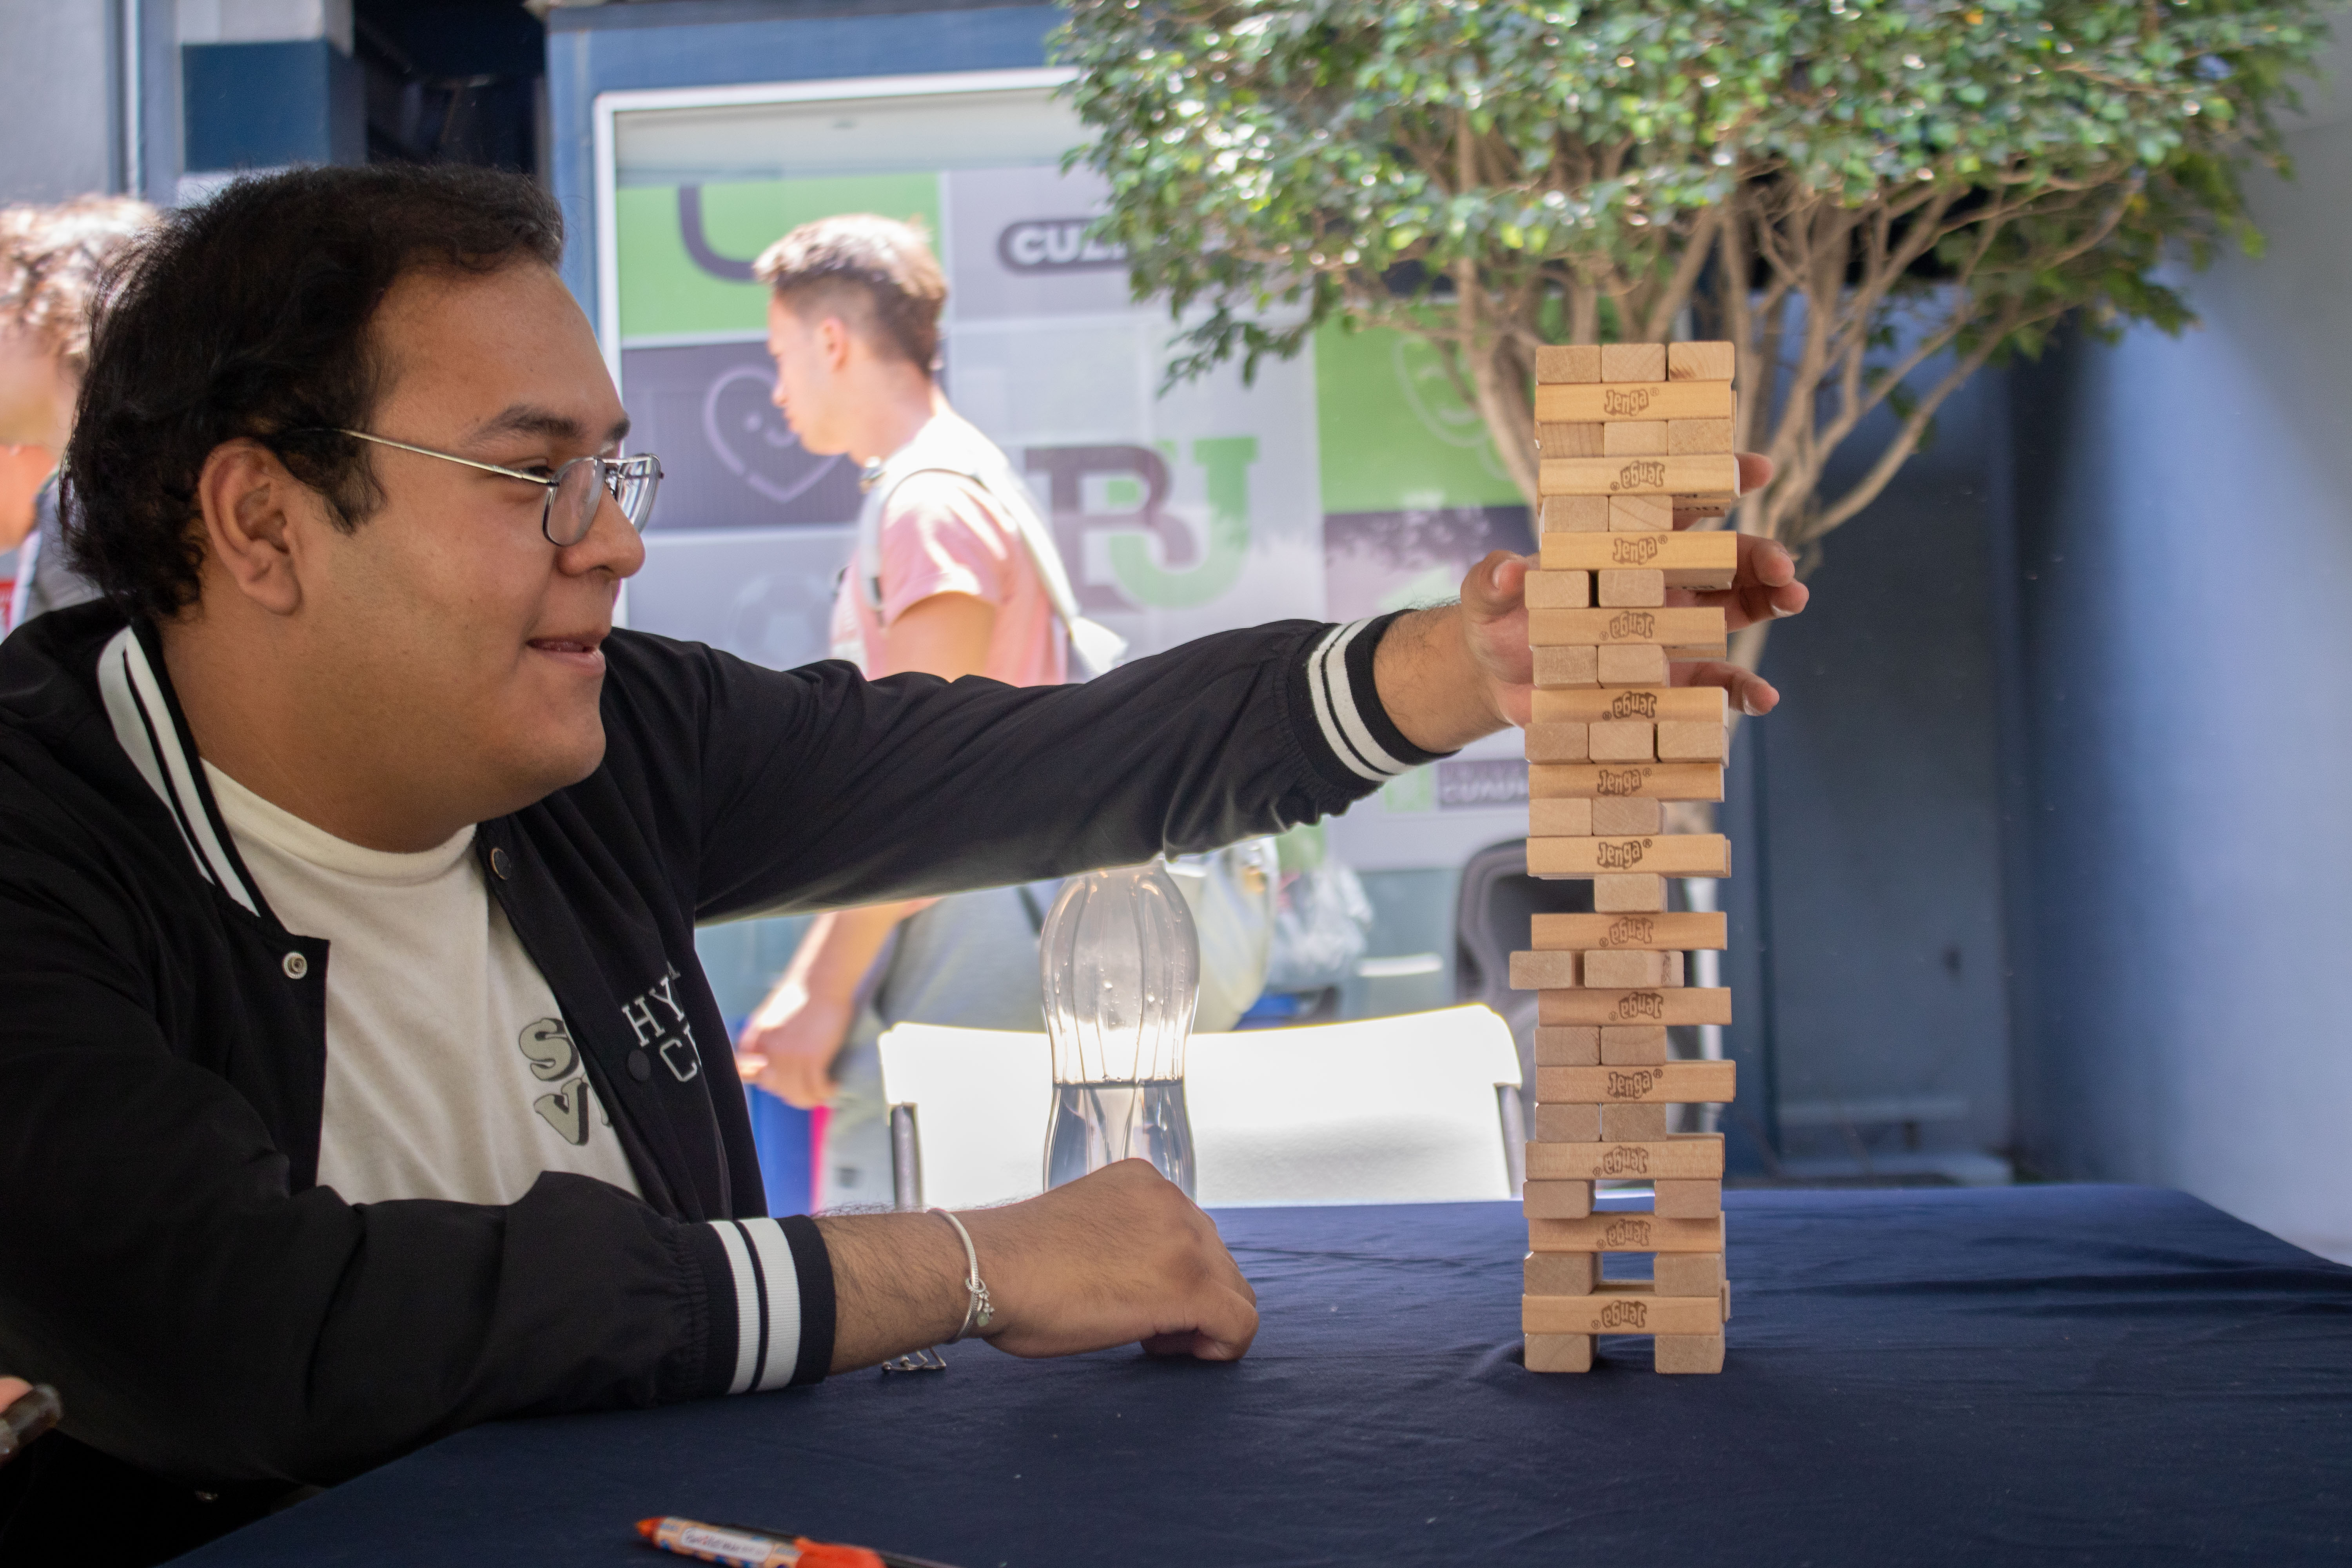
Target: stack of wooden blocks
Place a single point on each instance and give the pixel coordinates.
(1628, 435)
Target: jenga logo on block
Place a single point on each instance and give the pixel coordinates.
(1633, 549)
(1632, 1233)
(1619, 857)
(1618, 401)
(1618, 781)
(1631, 929)
(1626, 1315)
(1641, 1005)
(1633, 705)
(1647, 475)
(1633, 624)
(1633, 1085)
(1625, 1160)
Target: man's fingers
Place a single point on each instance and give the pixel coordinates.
(1755, 472)
(1495, 587)
(1746, 692)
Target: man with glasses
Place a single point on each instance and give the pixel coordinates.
(360, 1083)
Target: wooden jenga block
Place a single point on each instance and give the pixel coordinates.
(1620, 1307)
(1693, 626)
(1707, 559)
(1666, 1005)
(1664, 855)
(1700, 361)
(1571, 440)
(1689, 437)
(1700, 742)
(1623, 968)
(1628, 818)
(1687, 1353)
(1641, 892)
(1559, 1353)
(1560, 817)
(1633, 361)
(1556, 742)
(1684, 1154)
(1660, 476)
(1558, 666)
(1626, 1230)
(1567, 1123)
(1693, 929)
(1620, 740)
(1727, 1300)
(1632, 1123)
(1561, 1273)
(1549, 590)
(1546, 971)
(1608, 400)
(1689, 1273)
(1665, 704)
(1629, 664)
(1556, 1200)
(1557, 363)
(1636, 588)
(1641, 514)
(1674, 969)
(1575, 514)
(1632, 438)
(1662, 781)
(1570, 1045)
(1687, 1199)
(1633, 1044)
(1670, 1083)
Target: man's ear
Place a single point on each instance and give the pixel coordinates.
(252, 509)
(834, 339)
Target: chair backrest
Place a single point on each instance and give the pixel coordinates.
(1399, 1109)
(1491, 917)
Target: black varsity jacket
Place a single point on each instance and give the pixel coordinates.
(213, 1317)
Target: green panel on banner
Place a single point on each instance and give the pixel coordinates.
(665, 293)
(1394, 433)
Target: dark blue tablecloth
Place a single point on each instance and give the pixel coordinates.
(2034, 1374)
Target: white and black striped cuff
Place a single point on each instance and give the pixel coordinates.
(772, 1306)
(1344, 718)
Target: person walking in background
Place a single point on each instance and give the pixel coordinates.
(955, 574)
(51, 259)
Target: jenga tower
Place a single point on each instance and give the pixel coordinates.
(1627, 433)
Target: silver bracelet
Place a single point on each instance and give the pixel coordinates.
(977, 1312)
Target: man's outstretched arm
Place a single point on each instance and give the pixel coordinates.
(1449, 675)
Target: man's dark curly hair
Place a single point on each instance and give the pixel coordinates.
(248, 316)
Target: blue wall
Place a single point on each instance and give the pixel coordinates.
(260, 106)
(2185, 561)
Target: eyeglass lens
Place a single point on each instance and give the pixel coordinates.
(572, 506)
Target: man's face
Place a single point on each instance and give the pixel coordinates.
(446, 616)
(810, 356)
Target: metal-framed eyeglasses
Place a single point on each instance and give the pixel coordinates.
(573, 490)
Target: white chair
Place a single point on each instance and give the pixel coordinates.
(1419, 1109)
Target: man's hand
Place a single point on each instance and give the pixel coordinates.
(1119, 1256)
(788, 1046)
(1449, 675)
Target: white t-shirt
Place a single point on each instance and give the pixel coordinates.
(450, 1073)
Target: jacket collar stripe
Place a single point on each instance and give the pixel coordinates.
(747, 1306)
(781, 1298)
(144, 728)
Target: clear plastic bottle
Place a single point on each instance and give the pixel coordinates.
(1121, 966)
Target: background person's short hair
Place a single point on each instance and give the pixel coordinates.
(877, 273)
(249, 316)
(51, 261)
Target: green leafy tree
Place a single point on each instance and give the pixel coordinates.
(1871, 198)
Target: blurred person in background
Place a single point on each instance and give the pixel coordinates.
(51, 259)
(955, 574)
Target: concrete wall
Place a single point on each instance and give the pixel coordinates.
(2185, 569)
(60, 112)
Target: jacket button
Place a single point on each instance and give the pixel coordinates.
(499, 863)
(641, 1066)
(295, 966)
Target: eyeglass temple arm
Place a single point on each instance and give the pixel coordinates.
(447, 458)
